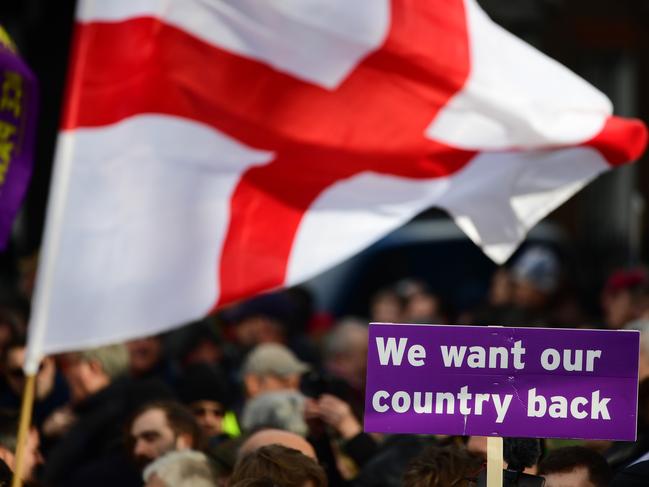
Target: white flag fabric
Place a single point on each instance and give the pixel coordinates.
(215, 149)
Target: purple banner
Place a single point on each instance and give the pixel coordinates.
(496, 381)
(18, 104)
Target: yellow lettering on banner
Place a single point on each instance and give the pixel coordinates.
(12, 93)
(6, 131)
(5, 157)
(6, 148)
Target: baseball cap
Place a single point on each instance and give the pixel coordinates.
(273, 359)
(203, 382)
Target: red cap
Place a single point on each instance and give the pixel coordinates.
(623, 279)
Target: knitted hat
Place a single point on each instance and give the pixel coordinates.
(203, 382)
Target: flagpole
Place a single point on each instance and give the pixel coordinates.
(23, 428)
(56, 205)
(43, 289)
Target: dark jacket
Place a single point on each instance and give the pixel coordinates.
(98, 432)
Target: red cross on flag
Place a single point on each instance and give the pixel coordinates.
(214, 149)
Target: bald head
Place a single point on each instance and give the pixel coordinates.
(276, 437)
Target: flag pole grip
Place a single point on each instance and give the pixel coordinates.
(23, 428)
(494, 461)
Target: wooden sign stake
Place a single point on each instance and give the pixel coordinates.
(494, 461)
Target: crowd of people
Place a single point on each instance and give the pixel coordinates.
(270, 392)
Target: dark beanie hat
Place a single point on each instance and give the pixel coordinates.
(203, 382)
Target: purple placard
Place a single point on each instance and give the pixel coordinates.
(494, 396)
(18, 102)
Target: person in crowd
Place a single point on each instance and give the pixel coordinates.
(278, 409)
(147, 358)
(575, 466)
(184, 468)
(89, 446)
(386, 306)
(624, 297)
(424, 307)
(498, 303)
(204, 390)
(87, 426)
(345, 353)
(196, 342)
(420, 304)
(443, 466)
(281, 466)
(270, 318)
(536, 275)
(642, 325)
(385, 467)
(263, 319)
(9, 439)
(225, 455)
(477, 445)
(303, 309)
(271, 436)
(271, 367)
(12, 325)
(161, 427)
(409, 287)
(51, 390)
(338, 416)
(501, 288)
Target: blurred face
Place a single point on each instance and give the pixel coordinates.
(83, 378)
(255, 330)
(16, 377)
(422, 307)
(152, 437)
(386, 308)
(209, 415)
(575, 478)
(206, 351)
(144, 354)
(351, 365)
